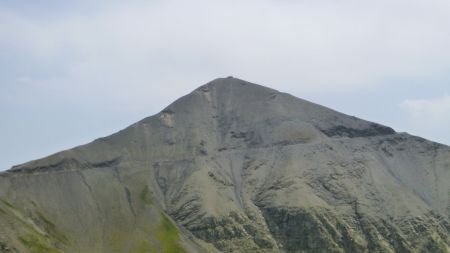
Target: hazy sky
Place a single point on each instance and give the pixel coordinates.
(72, 71)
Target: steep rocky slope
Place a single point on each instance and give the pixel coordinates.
(234, 167)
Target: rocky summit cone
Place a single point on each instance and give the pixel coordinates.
(234, 167)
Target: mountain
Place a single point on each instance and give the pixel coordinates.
(234, 167)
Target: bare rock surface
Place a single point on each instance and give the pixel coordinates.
(234, 167)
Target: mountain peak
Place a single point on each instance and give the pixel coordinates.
(230, 113)
(234, 167)
(224, 84)
(240, 104)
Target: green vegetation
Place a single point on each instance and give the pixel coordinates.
(146, 196)
(51, 229)
(33, 239)
(7, 203)
(167, 234)
(47, 222)
(37, 244)
(143, 247)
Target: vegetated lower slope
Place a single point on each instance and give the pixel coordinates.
(234, 167)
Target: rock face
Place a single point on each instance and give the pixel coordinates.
(234, 167)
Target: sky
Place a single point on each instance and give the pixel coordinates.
(73, 71)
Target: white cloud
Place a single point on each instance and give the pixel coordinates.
(429, 117)
(431, 109)
(303, 45)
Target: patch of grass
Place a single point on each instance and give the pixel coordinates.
(117, 239)
(14, 214)
(167, 235)
(37, 244)
(47, 222)
(143, 247)
(7, 203)
(50, 227)
(119, 242)
(146, 196)
(34, 240)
